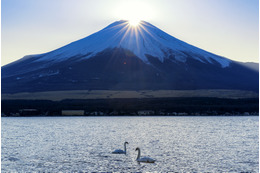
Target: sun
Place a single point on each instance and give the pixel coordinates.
(134, 11)
(134, 22)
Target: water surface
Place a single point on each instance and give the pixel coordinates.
(181, 144)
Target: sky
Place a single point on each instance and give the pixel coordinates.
(228, 28)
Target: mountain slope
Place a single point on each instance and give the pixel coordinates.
(121, 57)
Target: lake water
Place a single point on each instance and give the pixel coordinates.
(84, 144)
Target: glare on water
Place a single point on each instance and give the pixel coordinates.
(180, 144)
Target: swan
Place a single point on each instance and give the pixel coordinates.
(118, 151)
(143, 159)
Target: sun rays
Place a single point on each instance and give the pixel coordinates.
(135, 36)
(133, 29)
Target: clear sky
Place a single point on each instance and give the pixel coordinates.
(229, 28)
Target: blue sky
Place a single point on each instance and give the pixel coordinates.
(229, 28)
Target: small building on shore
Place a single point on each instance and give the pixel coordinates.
(28, 112)
(96, 113)
(72, 112)
(145, 112)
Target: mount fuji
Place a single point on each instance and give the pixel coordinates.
(125, 57)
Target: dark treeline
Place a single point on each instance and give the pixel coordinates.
(126, 106)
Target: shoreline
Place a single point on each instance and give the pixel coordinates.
(195, 106)
(251, 115)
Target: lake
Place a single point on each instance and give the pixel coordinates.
(84, 144)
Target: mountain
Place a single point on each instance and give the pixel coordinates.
(125, 57)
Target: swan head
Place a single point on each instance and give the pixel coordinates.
(126, 143)
(137, 149)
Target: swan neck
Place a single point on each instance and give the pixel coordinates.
(139, 153)
(125, 147)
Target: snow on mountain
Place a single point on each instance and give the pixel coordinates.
(124, 57)
(144, 39)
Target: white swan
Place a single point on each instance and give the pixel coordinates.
(143, 159)
(120, 151)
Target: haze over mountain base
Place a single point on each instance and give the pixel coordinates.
(141, 94)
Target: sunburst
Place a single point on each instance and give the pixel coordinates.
(134, 22)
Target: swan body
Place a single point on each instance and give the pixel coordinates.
(118, 151)
(143, 159)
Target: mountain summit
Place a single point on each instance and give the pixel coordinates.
(126, 57)
(143, 39)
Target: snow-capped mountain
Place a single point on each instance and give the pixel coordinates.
(122, 56)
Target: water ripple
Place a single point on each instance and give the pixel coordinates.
(84, 144)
